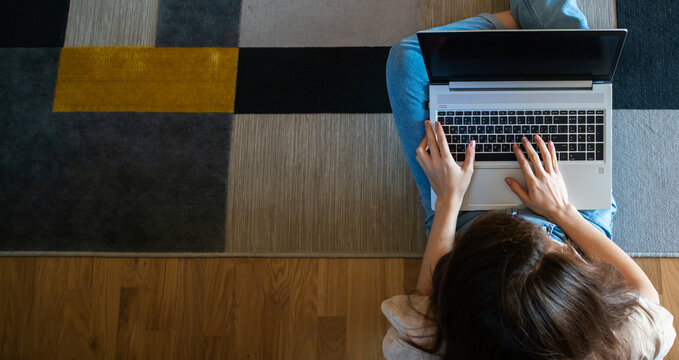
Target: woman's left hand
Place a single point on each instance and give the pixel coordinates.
(449, 180)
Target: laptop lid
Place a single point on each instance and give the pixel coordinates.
(513, 55)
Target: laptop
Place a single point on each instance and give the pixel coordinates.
(495, 86)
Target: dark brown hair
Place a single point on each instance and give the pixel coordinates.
(507, 291)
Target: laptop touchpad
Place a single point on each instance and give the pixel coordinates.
(488, 187)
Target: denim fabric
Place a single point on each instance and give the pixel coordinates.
(408, 87)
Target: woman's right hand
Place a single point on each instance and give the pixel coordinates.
(545, 191)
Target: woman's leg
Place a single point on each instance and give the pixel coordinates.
(408, 87)
(548, 14)
(602, 219)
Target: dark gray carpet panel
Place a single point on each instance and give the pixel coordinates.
(116, 182)
(646, 77)
(105, 181)
(198, 23)
(27, 80)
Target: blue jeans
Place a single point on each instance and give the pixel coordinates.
(408, 87)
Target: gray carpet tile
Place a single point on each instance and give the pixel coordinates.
(271, 23)
(198, 23)
(645, 181)
(27, 80)
(646, 77)
(320, 23)
(115, 182)
(111, 23)
(321, 185)
(105, 181)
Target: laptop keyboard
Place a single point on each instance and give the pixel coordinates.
(577, 134)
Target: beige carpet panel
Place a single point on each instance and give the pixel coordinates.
(321, 185)
(600, 13)
(272, 23)
(111, 23)
(267, 23)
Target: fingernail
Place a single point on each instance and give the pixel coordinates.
(523, 138)
(473, 142)
(508, 181)
(515, 146)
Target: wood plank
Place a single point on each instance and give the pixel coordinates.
(213, 308)
(49, 282)
(332, 337)
(653, 269)
(251, 293)
(281, 295)
(76, 319)
(332, 287)
(17, 294)
(128, 332)
(216, 279)
(411, 271)
(369, 285)
(101, 296)
(302, 320)
(135, 272)
(162, 295)
(670, 295)
(80, 273)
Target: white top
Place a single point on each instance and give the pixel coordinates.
(648, 331)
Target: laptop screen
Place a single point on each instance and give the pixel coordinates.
(505, 55)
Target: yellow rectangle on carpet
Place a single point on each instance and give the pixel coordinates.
(146, 79)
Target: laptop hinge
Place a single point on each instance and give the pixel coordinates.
(519, 85)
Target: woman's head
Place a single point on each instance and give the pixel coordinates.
(508, 291)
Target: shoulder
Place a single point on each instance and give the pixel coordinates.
(648, 330)
(410, 321)
(410, 315)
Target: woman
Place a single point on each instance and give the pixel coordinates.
(511, 286)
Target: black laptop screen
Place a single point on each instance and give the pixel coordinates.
(521, 54)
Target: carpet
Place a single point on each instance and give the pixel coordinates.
(105, 181)
(312, 80)
(646, 77)
(33, 23)
(645, 182)
(238, 128)
(146, 79)
(116, 149)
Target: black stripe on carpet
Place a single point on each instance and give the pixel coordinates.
(312, 80)
(33, 23)
(647, 75)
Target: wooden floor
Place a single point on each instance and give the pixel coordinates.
(56, 308)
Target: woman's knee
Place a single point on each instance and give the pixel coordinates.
(403, 58)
